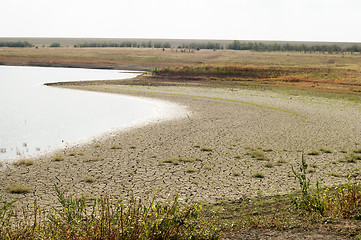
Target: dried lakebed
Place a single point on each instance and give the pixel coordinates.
(236, 144)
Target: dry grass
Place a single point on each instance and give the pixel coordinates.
(316, 72)
(177, 161)
(24, 163)
(58, 158)
(18, 189)
(93, 159)
(88, 179)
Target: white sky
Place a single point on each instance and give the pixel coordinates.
(293, 20)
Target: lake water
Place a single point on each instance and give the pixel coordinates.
(35, 118)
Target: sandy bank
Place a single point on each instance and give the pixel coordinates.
(207, 156)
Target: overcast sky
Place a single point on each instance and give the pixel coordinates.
(293, 20)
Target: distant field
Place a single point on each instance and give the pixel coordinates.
(330, 72)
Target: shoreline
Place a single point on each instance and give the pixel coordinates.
(206, 157)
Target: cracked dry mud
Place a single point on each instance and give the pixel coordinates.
(204, 156)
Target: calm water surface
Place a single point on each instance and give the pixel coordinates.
(34, 117)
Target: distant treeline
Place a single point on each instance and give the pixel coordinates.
(235, 45)
(20, 44)
(275, 47)
(148, 44)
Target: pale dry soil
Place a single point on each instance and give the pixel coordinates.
(210, 144)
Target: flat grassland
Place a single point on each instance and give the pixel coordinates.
(250, 116)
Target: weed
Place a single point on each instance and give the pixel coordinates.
(311, 170)
(197, 146)
(206, 149)
(351, 158)
(281, 161)
(256, 154)
(269, 165)
(236, 174)
(105, 218)
(58, 158)
(93, 159)
(268, 150)
(88, 179)
(116, 147)
(357, 150)
(176, 161)
(191, 170)
(313, 153)
(258, 175)
(306, 200)
(326, 150)
(333, 174)
(18, 189)
(343, 150)
(238, 156)
(72, 154)
(24, 163)
(2, 150)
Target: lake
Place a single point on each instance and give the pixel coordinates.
(36, 118)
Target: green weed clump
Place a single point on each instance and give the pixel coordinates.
(343, 201)
(107, 218)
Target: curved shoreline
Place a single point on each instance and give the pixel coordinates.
(206, 157)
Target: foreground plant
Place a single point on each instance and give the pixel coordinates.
(340, 202)
(105, 218)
